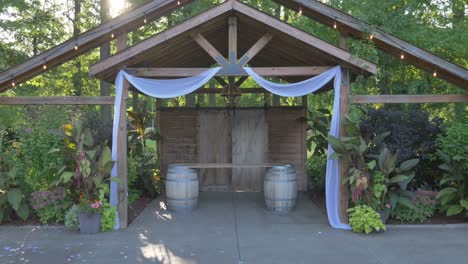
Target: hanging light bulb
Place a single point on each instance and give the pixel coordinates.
(145, 20)
(371, 37)
(300, 11)
(112, 35)
(402, 56)
(178, 2)
(44, 66)
(434, 74)
(335, 26)
(13, 84)
(76, 47)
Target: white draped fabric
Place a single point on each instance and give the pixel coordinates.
(154, 88)
(183, 86)
(332, 183)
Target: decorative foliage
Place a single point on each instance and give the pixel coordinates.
(412, 133)
(453, 195)
(108, 216)
(50, 206)
(363, 219)
(71, 217)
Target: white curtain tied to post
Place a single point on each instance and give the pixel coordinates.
(183, 86)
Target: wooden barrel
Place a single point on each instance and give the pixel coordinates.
(181, 188)
(280, 188)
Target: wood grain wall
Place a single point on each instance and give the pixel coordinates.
(184, 130)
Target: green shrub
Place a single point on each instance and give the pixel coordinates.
(108, 217)
(50, 206)
(71, 217)
(455, 143)
(363, 219)
(316, 167)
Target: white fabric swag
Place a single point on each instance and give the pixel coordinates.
(179, 87)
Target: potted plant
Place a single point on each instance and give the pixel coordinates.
(93, 167)
(89, 216)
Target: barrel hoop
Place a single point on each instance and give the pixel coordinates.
(268, 180)
(182, 199)
(281, 200)
(182, 180)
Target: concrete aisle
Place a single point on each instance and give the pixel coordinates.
(232, 228)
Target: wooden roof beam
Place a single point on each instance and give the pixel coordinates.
(89, 40)
(263, 71)
(414, 55)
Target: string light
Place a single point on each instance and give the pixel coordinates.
(112, 35)
(145, 21)
(300, 11)
(402, 56)
(335, 26)
(434, 74)
(76, 47)
(44, 66)
(13, 83)
(371, 37)
(178, 2)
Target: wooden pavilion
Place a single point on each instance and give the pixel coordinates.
(231, 35)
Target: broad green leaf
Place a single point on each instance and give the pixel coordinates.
(336, 144)
(23, 211)
(409, 164)
(406, 202)
(447, 198)
(464, 203)
(115, 179)
(404, 184)
(382, 157)
(446, 191)
(393, 197)
(104, 158)
(54, 150)
(362, 146)
(446, 179)
(371, 165)
(66, 176)
(454, 210)
(398, 178)
(14, 197)
(445, 167)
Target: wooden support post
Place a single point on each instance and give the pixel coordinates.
(344, 107)
(232, 40)
(122, 169)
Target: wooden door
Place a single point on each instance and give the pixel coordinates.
(249, 146)
(214, 146)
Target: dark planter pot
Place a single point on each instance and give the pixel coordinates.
(90, 223)
(384, 215)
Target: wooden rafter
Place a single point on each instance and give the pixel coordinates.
(212, 51)
(89, 40)
(129, 56)
(255, 49)
(414, 55)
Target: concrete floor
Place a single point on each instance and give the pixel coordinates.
(233, 228)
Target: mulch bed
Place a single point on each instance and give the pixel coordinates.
(319, 201)
(135, 209)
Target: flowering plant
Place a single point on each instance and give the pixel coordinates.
(89, 206)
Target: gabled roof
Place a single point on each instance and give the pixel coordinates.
(174, 48)
(157, 8)
(89, 40)
(388, 43)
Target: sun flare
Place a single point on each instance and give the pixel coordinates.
(117, 7)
